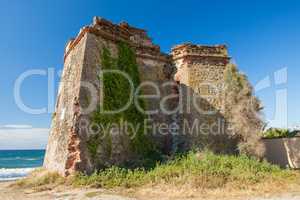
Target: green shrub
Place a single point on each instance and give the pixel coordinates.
(278, 133)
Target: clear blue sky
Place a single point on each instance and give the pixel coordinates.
(262, 36)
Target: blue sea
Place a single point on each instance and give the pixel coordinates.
(16, 164)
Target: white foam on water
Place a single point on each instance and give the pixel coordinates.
(14, 173)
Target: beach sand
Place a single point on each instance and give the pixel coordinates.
(60, 193)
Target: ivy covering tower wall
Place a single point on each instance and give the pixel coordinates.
(116, 92)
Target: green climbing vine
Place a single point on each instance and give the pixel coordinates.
(116, 92)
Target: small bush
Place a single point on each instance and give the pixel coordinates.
(278, 133)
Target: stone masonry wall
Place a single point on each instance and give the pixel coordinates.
(200, 72)
(63, 146)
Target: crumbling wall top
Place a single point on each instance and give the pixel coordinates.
(124, 31)
(143, 44)
(136, 37)
(189, 49)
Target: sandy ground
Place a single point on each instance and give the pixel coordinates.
(67, 193)
(61, 193)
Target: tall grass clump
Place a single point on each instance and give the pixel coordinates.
(40, 180)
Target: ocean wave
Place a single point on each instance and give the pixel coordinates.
(21, 158)
(13, 174)
(10, 158)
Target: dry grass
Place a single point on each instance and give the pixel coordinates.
(189, 191)
(40, 180)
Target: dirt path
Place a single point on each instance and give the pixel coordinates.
(9, 193)
(282, 197)
(67, 193)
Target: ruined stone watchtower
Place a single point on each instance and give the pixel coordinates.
(199, 69)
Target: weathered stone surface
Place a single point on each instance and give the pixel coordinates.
(62, 150)
(198, 67)
(200, 72)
